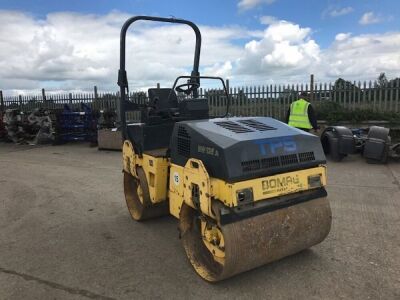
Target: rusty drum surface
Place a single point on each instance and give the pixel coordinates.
(259, 240)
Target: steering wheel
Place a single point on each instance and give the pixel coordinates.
(191, 86)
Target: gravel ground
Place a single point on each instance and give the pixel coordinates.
(65, 233)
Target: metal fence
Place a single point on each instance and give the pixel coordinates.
(266, 100)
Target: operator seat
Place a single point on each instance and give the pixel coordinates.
(162, 106)
(162, 99)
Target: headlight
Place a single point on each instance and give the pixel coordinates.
(244, 196)
(314, 181)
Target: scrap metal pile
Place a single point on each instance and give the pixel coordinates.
(107, 119)
(35, 128)
(3, 131)
(42, 126)
(374, 143)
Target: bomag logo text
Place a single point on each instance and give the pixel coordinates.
(282, 182)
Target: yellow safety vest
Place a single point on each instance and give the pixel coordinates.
(299, 114)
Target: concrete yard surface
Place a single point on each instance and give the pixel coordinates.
(65, 233)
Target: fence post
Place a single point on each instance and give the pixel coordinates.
(20, 102)
(1, 102)
(397, 95)
(229, 96)
(95, 93)
(44, 98)
(158, 85)
(70, 99)
(118, 108)
(96, 98)
(311, 87)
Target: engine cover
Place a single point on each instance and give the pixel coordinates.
(234, 149)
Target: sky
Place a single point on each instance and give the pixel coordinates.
(74, 45)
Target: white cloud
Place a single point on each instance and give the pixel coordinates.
(76, 51)
(223, 70)
(370, 18)
(249, 4)
(287, 53)
(342, 36)
(286, 49)
(363, 57)
(334, 11)
(268, 20)
(68, 51)
(341, 11)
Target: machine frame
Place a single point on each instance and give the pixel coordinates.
(246, 191)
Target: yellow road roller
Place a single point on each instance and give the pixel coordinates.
(246, 190)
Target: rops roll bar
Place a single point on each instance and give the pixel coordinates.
(122, 75)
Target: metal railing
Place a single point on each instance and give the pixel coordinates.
(265, 100)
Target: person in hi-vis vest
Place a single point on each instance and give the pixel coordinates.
(301, 114)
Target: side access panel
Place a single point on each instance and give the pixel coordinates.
(190, 184)
(175, 193)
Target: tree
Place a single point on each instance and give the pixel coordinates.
(341, 84)
(345, 90)
(382, 80)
